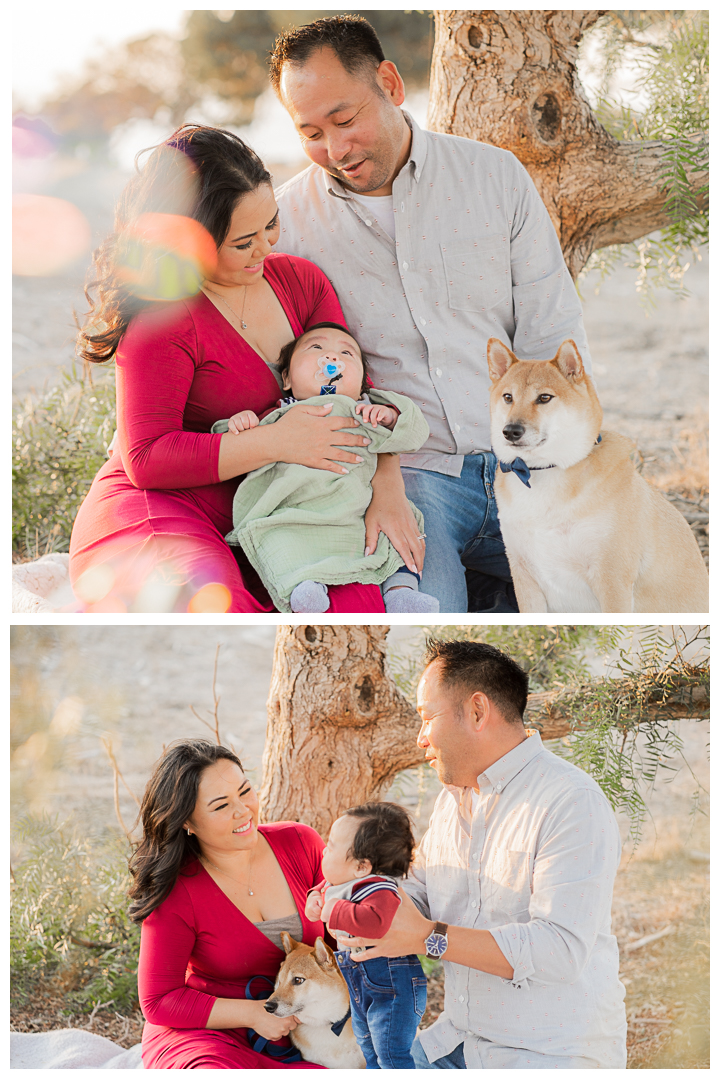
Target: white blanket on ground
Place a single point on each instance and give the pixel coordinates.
(43, 585)
(70, 1048)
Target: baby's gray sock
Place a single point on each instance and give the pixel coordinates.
(309, 596)
(406, 599)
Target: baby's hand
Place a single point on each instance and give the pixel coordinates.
(377, 414)
(313, 906)
(327, 908)
(242, 421)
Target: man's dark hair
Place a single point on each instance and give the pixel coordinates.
(384, 837)
(286, 353)
(471, 666)
(351, 37)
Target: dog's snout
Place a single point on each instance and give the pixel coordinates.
(270, 1006)
(513, 432)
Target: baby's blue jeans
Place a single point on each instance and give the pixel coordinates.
(387, 1001)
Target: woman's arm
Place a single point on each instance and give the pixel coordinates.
(236, 1013)
(390, 512)
(305, 435)
(155, 371)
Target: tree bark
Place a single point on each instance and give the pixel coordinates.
(510, 78)
(339, 729)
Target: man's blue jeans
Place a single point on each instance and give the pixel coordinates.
(463, 534)
(454, 1060)
(387, 1001)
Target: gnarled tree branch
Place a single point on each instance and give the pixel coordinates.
(510, 78)
(339, 729)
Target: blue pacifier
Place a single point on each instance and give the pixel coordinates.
(329, 369)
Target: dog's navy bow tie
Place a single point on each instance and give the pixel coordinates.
(523, 470)
(337, 1027)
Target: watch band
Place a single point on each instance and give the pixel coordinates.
(436, 942)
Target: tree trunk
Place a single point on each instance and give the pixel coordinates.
(339, 729)
(510, 78)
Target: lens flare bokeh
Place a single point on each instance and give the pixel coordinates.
(48, 235)
(166, 257)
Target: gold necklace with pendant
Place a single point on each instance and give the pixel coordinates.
(205, 859)
(243, 324)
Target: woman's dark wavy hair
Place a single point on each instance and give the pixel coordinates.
(169, 800)
(199, 172)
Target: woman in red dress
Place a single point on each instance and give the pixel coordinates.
(149, 535)
(214, 891)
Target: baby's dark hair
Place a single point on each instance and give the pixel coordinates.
(286, 353)
(384, 837)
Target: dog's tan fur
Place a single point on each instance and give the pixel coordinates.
(310, 986)
(590, 534)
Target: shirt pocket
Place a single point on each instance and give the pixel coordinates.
(477, 273)
(506, 884)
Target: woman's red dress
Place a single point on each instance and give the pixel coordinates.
(197, 946)
(156, 515)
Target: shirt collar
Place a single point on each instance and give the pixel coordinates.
(498, 775)
(418, 154)
(507, 767)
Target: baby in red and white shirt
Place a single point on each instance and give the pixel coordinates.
(369, 849)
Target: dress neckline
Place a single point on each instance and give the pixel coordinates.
(275, 282)
(237, 910)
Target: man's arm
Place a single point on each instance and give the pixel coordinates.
(546, 305)
(472, 948)
(573, 877)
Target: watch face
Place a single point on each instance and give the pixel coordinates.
(436, 944)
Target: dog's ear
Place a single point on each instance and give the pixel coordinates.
(569, 361)
(289, 943)
(323, 955)
(499, 358)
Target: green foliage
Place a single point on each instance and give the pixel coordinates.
(617, 746)
(68, 916)
(669, 51)
(553, 656)
(228, 56)
(60, 440)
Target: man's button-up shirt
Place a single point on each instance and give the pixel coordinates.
(531, 858)
(474, 256)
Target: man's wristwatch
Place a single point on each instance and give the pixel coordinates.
(437, 942)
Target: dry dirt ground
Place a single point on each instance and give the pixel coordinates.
(651, 372)
(70, 685)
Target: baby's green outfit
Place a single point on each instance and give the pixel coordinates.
(296, 523)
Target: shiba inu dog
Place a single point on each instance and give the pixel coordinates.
(310, 986)
(582, 530)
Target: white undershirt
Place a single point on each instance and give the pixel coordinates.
(381, 207)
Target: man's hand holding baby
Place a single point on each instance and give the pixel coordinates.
(377, 414)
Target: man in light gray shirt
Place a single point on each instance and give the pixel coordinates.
(433, 244)
(512, 883)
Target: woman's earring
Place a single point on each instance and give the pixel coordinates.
(189, 833)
